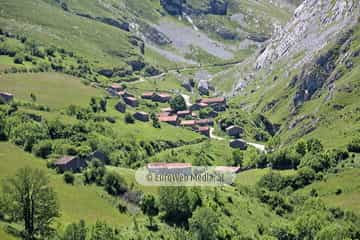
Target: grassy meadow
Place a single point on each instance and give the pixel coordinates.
(76, 201)
(51, 89)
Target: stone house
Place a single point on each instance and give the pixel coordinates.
(99, 155)
(238, 143)
(205, 122)
(205, 130)
(198, 106)
(173, 120)
(121, 107)
(141, 116)
(188, 123)
(6, 97)
(70, 163)
(184, 113)
(218, 103)
(203, 87)
(131, 101)
(234, 131)
(147, 95)
(161, 97)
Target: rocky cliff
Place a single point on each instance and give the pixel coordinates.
(314, 24)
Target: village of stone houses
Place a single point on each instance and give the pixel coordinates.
(179, 120)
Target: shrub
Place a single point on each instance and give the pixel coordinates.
(122, 207)
(42, 149)
(19, 59)
(317, 161)
(69, 177)
(114, 184)
(178, 103)
(129, 118)
(354, 145)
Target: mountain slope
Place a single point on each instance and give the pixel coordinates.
(300, 76)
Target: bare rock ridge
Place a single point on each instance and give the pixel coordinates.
(313, 25)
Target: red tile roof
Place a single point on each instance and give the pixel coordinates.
(64, 160)
(168, 118)
(131, 98)
(142, 113)
(163, 114)
(203, 129)
(227, 169)
(185, 112)
(116, 86)
(163, 95)
(121, 93)
(168, 165)
(204, 121)
(6, 93)
(187, 122)
(168, 109)
(147, 94)
(212, 100)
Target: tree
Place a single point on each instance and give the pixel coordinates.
(75, 231)
(204, 223)
(101, 231)
(42, 149)
(103, 103)
(69, 177)
(354, 145)
(335, 231)
(238, 157)
(33, 97)
(300, 147)
(317, 161)
(129, 118)
(114, 184)
(28, 197)
(314, 145)
(149, 207)
(178, 103)
(94, 173)
(93, 104)
(205, 112)
(176, 203)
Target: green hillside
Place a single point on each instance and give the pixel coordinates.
(287, 121)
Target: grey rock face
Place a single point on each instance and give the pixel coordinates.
(314, 24)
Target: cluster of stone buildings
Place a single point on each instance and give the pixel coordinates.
(186, 118)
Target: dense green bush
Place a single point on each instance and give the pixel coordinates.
(129, 118)
(354, 145)
(114, 184)
(69, 177)
(178, 103)
(42, 149)
(95, 173)
(177, 203)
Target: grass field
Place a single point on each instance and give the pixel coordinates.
(76, 201)
(145, 130)
(50, 25)
(251, 177)
(51, 89)
(348, 181)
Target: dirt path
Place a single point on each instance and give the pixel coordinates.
(255, 145)
(187, 99)
(212, 136)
